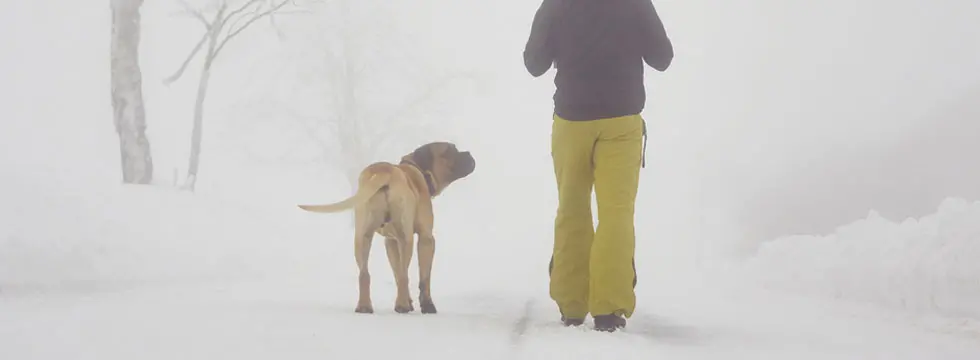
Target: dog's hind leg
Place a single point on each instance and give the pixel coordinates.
(363, 236)
(362, 250)
(401, 250)
(395, 248)
(406, 252)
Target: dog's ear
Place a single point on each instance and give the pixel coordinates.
(423, 157)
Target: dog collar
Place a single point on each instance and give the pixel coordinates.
(427, 175)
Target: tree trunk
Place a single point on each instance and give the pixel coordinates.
(129, 115)
(196, 133)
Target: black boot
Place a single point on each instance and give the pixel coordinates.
(609, 323)
(571, 322)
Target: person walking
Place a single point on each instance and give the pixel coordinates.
(598, 49)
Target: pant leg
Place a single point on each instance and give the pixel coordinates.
(617, 171)
(572, 144)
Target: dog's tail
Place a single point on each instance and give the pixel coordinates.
(370, 187)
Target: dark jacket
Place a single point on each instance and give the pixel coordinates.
(598, 48)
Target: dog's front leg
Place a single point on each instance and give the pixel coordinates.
(427, 249)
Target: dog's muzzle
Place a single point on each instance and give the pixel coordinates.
(466, 164)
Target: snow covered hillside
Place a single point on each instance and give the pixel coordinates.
(109, 237)
(924, 266)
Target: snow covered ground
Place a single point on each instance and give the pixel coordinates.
(90, 269)
(213, 279)
(311, 318)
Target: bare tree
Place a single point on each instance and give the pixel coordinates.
(129, 115)
(358, 59)
(360, 127)
(220, 28)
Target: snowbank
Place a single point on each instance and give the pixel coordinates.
(926, 266)
(55, 236)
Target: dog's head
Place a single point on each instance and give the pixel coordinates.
(444, 161)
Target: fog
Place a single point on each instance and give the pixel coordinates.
(796, 118)
(781, 118)
(775, 119)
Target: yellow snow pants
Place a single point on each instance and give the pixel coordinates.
(592, 271)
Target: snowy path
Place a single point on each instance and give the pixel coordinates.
(305, 320)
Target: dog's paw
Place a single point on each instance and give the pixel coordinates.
(364, 309)
(404, 309)
(427, 307)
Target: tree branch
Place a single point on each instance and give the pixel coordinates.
(237, 11)
(246, 25)
(311, 131)
(232, 21)
(426, 95)
(404, 130)
(183, 67)
(197, 48)
(195, 13)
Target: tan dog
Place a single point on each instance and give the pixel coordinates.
(395, 201)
